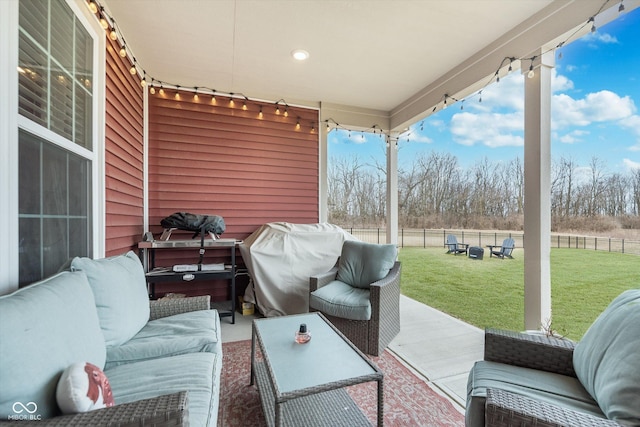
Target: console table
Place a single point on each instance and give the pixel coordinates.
(167, 274)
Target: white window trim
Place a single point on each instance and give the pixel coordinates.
(11, 121)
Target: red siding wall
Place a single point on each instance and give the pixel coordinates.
(214, 157)
(123, 154)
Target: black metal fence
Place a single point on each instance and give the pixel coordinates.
(413, 237)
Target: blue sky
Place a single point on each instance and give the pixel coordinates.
(595, 111)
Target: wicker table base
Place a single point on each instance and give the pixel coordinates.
(304, 386)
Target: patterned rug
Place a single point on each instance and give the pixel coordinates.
(408, 399)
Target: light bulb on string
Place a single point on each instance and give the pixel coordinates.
(152, 90)
(103, 21)
(244, 105)
(143, 82)
(123, 51)
(133, 69)
(298, 123)
(277, 109)
(260, 113)
(113, 35)
(531, 74)
(593, 25)
(93, 7)
(621, 7)
(480, 96)
(286, 113)
(161, 90)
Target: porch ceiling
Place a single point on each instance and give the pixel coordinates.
(383, 55)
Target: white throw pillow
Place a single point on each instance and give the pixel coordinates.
(83, 387)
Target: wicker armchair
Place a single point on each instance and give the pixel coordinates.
(505, 408)
(165, 410)
(370, 336)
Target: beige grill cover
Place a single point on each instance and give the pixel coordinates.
(281, 257)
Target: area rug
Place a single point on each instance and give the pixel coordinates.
(408, 399)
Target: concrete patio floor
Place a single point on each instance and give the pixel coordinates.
(435, 345)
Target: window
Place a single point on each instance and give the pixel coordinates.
(55, 75)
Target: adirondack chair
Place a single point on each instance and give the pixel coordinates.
(454, 247)
(505, 250)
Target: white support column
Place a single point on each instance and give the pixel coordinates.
(323, 183)
(392, 189)
(537, 191)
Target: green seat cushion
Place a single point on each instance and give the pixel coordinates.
(190, 332)
(44, 328)
(120, 289)
(341, 300)
(556, 389)
(607, 359)
(198, 373)
(363, 263)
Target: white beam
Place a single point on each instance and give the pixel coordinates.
(537, 192)
(554, 24)
(392, 189)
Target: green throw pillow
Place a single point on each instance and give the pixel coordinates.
(364, 263)
(120, 289)
(607, 359)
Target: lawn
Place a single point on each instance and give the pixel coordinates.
(490, 293)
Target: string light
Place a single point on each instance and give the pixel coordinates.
(104, 19)
(143, 82)
(93, 7)
(621, 7)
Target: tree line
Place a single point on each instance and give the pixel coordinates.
(434, 191)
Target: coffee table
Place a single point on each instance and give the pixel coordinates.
(303, 384)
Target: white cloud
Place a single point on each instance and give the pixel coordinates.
(573, 137)
(600, 106)
(594, 38)
(489, 129)
(422, 139)
(630, 164)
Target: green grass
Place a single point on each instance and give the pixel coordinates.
(490, 293)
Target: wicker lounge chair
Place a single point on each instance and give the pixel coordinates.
(531, 379)
(372, 333)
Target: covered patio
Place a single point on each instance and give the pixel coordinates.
(372, 67)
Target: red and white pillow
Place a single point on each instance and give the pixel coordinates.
(83, 387)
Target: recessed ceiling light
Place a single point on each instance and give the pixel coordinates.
(300, 54)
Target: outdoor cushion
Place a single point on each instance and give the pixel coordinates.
(41, 336)
(190, 332)
(341, 300)
(363, 263)
(120, 290)
(560, 390)
(198, 373)
(607, 359)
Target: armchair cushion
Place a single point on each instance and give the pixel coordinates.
(342, 300)
(363, 263)
(606, 359)
(120, 291)
(557, 389)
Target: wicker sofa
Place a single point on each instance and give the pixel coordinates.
(530, 379)
(163, 359)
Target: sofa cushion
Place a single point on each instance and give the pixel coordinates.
(83, 387)
(198, 373)
(341, 300)
(45, 327)
(120, 290)
(190, 332)
(556, 389)
(607, 359)
(363, 263)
